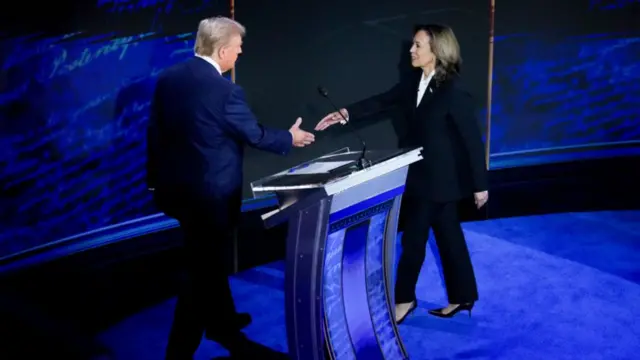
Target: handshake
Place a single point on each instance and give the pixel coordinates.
(303, 138)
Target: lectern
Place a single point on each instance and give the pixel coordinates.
(340, 252)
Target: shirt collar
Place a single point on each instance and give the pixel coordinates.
(428, 77)
(210, 61)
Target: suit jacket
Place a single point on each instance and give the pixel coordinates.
(445, 125)
(199, 124)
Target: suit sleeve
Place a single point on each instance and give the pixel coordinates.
(241, 121)
(463, 114)
(376, 104)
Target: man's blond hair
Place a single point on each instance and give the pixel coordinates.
(216, 32)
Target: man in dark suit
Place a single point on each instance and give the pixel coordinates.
(200, 122)
(438, 115)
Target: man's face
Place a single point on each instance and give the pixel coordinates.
(228, 54)
(421, 55)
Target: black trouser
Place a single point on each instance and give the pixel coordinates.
(419, 216)
(205, 303)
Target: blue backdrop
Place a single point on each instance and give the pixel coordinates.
(566, 82)
(75, 91)
(74, 107)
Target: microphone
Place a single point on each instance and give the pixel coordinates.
(362, 162)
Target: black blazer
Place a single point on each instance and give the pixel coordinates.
(445, 125)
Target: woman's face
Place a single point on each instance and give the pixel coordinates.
(421, 55)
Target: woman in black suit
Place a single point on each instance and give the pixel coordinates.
(438, 115)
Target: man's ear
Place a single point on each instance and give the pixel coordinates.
(220, 52)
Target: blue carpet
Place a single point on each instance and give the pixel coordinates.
(561, 286)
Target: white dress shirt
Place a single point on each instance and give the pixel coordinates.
(424, 85)
(211, 61)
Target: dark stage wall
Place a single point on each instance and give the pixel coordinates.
(76, 79)
(355, 49)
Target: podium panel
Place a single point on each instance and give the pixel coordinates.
(340, 254)
(357, 285)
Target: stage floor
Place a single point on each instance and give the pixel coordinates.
(560, 286)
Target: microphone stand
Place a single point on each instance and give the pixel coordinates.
(362, 161)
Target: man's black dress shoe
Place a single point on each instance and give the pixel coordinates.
(245, 349)
(242, 320)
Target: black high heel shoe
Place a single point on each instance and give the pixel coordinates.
(450, 314)
(414, 306)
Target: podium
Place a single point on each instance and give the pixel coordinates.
(340, 253)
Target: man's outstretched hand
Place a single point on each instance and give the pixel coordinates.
(300, 137)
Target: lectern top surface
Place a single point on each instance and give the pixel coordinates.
(320, 171)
